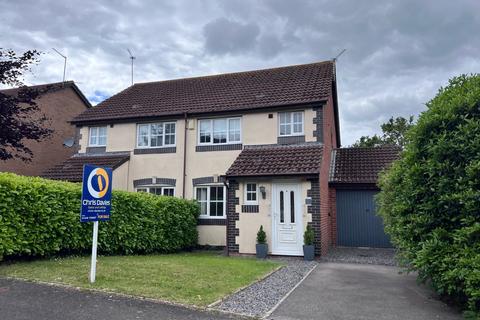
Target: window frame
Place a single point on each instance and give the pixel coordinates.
(246, 192)
(163, 123)
(211, 120)
(291, 123)
(208, 186)
(97, 144)
(162, 187)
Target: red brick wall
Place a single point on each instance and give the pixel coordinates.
(329, 134)
(60, 106)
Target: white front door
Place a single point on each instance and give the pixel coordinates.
(287, 219)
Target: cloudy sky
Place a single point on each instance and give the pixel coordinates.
(398, 52)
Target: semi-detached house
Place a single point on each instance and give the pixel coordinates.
(253, 148)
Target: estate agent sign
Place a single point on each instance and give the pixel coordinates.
(96, 193)
(96, 203)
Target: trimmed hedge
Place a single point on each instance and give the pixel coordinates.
(430, 198)
(40, 217)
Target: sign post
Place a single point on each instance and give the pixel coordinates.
(96, 203)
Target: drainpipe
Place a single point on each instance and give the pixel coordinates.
(184, 155)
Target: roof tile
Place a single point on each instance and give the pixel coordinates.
(361, 165)
(72, 168)
(298, 84)
(273, 160)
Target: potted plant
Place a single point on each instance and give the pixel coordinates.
(262, 246)
(308, 244)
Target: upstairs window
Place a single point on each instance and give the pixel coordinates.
(219, 131)
(291, 123)
(156, 135)
(97, 137)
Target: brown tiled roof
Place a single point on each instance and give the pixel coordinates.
(361, 165)
(72, 169)
(298, 84)
(52, 87)
(273, 160)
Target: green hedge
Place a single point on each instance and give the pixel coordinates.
(430, 198)
(40, 217)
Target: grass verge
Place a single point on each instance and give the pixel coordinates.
(198, 278)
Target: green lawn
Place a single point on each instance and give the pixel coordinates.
(193, 278)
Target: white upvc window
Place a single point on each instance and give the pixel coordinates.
(212, 200)
(219, 131)
(156, 135)
(251, 193)
(97, 136)
(158, 190)
(290, 123)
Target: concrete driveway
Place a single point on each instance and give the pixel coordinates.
(354, 291)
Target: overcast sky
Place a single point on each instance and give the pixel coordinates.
(398, 52)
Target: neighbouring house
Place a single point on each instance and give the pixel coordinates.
(253, 148)
(60, 102)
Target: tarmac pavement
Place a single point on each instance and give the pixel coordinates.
(21, 300)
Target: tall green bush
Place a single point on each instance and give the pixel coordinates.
(430, 198)
(40, 217)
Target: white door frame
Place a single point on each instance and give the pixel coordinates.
(296, 186)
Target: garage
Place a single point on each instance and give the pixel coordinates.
(353, 184)
(358, 225)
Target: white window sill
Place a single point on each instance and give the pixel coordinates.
(292, 135)
(211, 217)
(167, 146)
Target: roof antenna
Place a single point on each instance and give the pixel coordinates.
(64, 64)
(132, 58)
(338, 55)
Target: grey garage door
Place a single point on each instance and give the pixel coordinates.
(357, 223)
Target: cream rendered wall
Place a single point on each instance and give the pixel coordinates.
(257, 128)
(121, 137)
(120, 177)
(249, 223)
(309, 127)
(211, 235)
(83, 141)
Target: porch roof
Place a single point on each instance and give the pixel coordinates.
(277, 160)
(72, 169)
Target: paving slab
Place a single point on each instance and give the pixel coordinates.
(355, 291)
(21, 300)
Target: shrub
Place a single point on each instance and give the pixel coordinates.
(309, 236)
(40, 217)
(430, 198)
(261, 236)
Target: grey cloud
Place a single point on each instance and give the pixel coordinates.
(398, 52)
(269, 46)
(224, 36)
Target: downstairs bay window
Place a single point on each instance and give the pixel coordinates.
(212, 200)
(157, 190)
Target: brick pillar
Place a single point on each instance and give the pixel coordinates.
(232, 216)
(332, 195)
(314, 209)
(318, 122)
